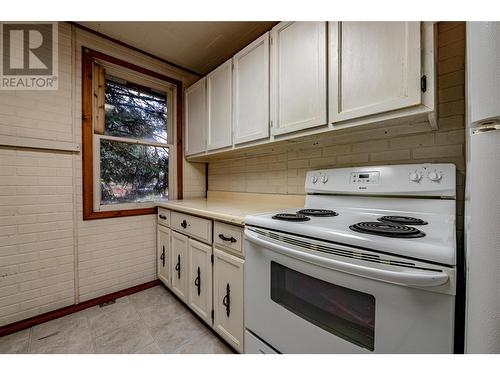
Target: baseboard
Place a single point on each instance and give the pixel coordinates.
(51, 315)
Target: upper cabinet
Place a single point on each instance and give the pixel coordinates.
(298, 76)
(304, 78)
(219, 105)
(251, 92)
(195, 118)
(374, 67)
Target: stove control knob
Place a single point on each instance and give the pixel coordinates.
(314, 179)
(435, 176)
(415, 177)
(324, 179)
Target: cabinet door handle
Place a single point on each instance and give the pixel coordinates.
(162, 256)
(228, 239)
(184, 224)
(226, 301)
(178, 266)
(163, 217)
(197, 282)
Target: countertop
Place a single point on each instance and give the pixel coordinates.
(233, 207)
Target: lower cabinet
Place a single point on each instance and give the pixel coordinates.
(180, 265)
(228, 298)
(208, 278)
(163, 255)
(200, 279)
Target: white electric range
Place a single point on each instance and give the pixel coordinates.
(368, 265)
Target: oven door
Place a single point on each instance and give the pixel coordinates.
(307, 296)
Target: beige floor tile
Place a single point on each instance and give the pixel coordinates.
(149, 322)
(129, 339)
(175, 333)
(69, 334)
(159, 315)
(205, 344)
(16, 343)
(109, 318)
(150, 349)
(157, 295)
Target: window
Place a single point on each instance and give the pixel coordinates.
(131, 118)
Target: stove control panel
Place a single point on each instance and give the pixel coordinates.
(430, 180)
(369, 177)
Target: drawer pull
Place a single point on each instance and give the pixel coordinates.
(178, 266)
(162, 256)
(197, 282)
(163, 217)
(226, 301)
(228, 239)
(184, 224)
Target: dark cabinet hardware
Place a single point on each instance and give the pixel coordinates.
(423, 83)
(226, 301)
(163, 217)
(184, 224)
(162, 256)
(228, 239)
(178, 266)
(197, 281)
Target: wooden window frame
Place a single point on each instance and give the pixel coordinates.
(88, 58)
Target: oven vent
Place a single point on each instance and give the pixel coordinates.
(330, 249)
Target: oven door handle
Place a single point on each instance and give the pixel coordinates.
(418, 278)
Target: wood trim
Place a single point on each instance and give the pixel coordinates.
(126, 45)
(27, 323)
(179, 144)
(88, 57)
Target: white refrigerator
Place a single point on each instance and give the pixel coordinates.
(482, 198)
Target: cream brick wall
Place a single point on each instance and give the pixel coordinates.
(36, 233)
(49, 256)
(194, 180)
(282, 168)
(48, 116)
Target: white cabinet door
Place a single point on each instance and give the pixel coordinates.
(251, 92)
(298, 76)
(219, 99)
(164, 256)
(374, 68)
(180, 265)
(228, 298)
(200, 279)
(195, 117)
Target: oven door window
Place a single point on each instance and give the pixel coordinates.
(346, 313)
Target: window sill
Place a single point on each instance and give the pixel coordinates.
(118, 213)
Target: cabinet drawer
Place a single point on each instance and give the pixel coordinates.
(192, 226)
(228, 237)
(163, 216)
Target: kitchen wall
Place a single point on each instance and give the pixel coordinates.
(49, 256)
(282, 168)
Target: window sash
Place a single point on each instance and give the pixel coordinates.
(97, 172)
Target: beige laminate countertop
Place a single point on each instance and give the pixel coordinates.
(233, 207)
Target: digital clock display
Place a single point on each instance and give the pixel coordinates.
(363, 175)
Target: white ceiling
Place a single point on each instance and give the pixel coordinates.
(196, 46)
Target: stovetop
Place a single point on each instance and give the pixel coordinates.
(431, 237)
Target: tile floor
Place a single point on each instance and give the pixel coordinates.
(149, 322)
